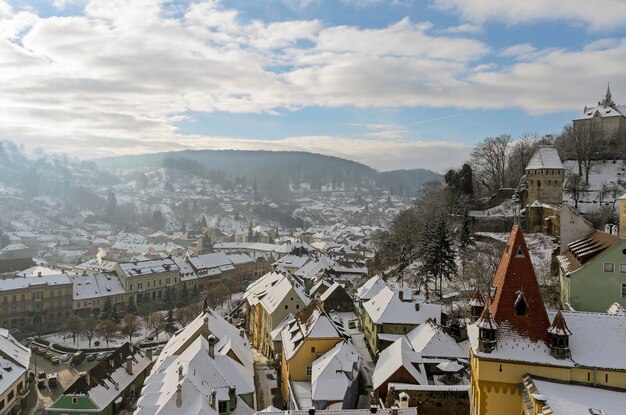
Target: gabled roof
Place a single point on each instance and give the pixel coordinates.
(333, 373)
(430, 340)
(310, 323)
(477, 299)
(583, 251)
(399, 355)
(271, 289)
(386, 307)
(371, 287)
(546, 157)
(514, 280)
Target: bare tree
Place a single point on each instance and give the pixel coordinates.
(89, 329)
(576, 187)
(130, 325)
(107, 329)
(184, 315)
(489, 162)
(520, 154)
(156, 323)
(582, 142)
(74, 325)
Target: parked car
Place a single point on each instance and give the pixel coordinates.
(53, 380)
(65, 358)
(91, 357)
(78, 357)
(102, 355)
(41, 380)
(55, 360)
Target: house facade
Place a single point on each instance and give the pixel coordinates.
(14, 364)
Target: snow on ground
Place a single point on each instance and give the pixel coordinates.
(540, 246)
(504, 209)
(609, 173)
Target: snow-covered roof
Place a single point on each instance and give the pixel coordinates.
(229, 339)
(13, 350)
(371, 287)
(387, 307)
(333, 373)
(585, 349)
(310, 323)
(198, 375)
(546, 157)
(22, 283)
(567, 399)
(430, 340)
(271, 289)
(104, 382)
(36, 271)
(399, 355)
(152, 266)
(98, 285)
(603, 111)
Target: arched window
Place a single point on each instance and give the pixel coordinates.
(538, 183)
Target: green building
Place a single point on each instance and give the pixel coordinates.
(593, 272)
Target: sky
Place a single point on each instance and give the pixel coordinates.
(394, 84)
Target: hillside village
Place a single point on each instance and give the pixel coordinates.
(191, 296)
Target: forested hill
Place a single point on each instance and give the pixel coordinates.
(292, 167)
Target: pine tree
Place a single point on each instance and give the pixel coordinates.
(183, 296)
(107, 310)
(195, 292)
(466, 232)
(169, 321)
(437, 254)
(131, 308)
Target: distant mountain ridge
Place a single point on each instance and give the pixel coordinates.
(293, 167)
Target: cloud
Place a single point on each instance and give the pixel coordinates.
(598, 14)
(124, 74)
(468, 28)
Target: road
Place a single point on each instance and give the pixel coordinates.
(367, 369)
(265, 383)
(38, 399)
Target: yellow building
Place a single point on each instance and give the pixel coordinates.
(148, 280)
(268, 301)
(622, 216)
(523, 357)
(308, 336)
(38, 301)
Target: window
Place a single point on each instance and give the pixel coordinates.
(222, 406)
(10, 396)
(1, 403)
(309, 370)
(297, 306)
(313, 349)
(520, 252)
(74, 401)
(609, 267)
(624, 290)
(622, 267)
(286, 306)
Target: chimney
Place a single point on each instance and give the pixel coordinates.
(232, 396)
(401, 295)
(404, 400)
(39, 274)
(179, 396)
(607, 228)
(88, 379)
(394, 409)
(213, 398)
(417, 306)
(614, 230)
(242, 332)
(312, 411)
(212, 341)
(129, 365)
(180, 373)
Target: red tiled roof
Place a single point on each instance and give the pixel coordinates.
(584, 250)
(515, 278)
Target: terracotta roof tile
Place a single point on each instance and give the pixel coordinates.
(514, 280)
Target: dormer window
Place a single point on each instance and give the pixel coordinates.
(520, 253)
(521, 306)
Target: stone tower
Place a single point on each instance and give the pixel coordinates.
(544, 177)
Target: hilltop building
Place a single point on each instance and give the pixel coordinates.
(606, 120)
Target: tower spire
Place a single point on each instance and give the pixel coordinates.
(608, 98)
